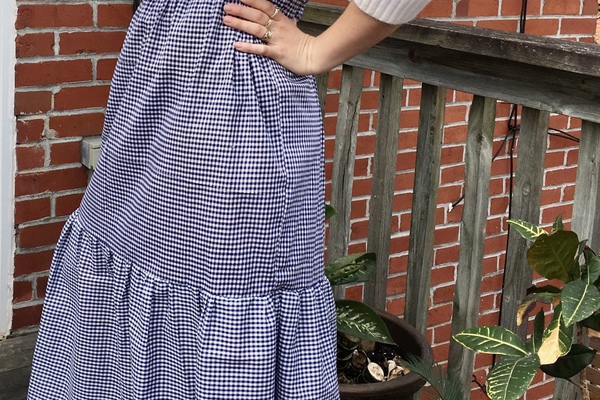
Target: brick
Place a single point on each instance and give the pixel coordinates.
(498, 205)
(29, 157)
(396, 306)
(54, 15)
(440, 314)
(453, 154)
(442, 275)
(114, 15)
(30, 130)
(572, 26)
(561, 176)
(443, 294)
(35, 45)
(477, 8)
(445, 235)
(43, 234)
(542, 27)
(29, 263)
(31, 210)
(33, 102)
(449, 194)
(590, 7)
(105, 68)
(442, 334)
(74, 98)
(359, 230)
(50, 181)
(65, 152)
(508, 25)
(453, 174)
(365, 145)
(446, 255)
(495, 244)
(40, 287)
(22, 291)
(26, 316)
(513, 7)
(437, 8)
(396, 285)
(77, 125)
(561, 7)
(354, 293)
(91, 42)
(52, 72)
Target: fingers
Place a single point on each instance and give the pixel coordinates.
(252, 28)
(265, 6)
(247, 13)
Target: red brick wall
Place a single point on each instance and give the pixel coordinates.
(66, 53)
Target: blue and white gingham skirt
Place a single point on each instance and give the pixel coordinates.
(193, 268)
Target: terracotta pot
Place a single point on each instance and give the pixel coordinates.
(410, 341)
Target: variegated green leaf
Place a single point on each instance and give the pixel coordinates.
(557, 339)
(357, 319)
(526, 229)
(553, 256)
(579, 301)
(492, 340)
(593, 322)
(510, 377)
(572, 363)
(538, 332)
(558, 224)
(353, 268)
(530, 301)
(591, 272)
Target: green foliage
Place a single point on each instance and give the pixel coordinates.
(446, 387)
(555, 255)
(353, 317)
(358, 319)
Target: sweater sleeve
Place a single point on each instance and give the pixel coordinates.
(393, 12)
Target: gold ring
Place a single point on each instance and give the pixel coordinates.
(268, 35)
(268, 24)
(275, 13)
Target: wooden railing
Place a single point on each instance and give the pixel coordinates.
(541, 74)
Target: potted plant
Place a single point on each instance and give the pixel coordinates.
(556, 255)
(356, 321)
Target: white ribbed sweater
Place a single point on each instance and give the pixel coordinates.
(393, 12)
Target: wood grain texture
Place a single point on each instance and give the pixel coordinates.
(382, 191)
(467, 292)
(533, 140)
(343, 164)
(427, 172)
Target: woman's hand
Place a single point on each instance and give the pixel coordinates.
(283, 41)
(354, 32)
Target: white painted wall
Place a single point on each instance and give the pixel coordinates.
(8, 15)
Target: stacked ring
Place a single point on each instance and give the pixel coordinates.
(268, 24)
(268, 35)
(275, 13)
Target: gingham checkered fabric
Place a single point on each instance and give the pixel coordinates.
(193, 268)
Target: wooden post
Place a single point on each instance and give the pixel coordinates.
(382, 192)
(533, 140)
(343, 161)
(427, 176)
(467, 292)
(322, 81)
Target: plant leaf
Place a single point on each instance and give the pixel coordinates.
(510, 377)
(446, 387)
(538, 332)
(530, 301)
(556, 340)
(571, 363)
(579, 301)
(592, 271)
(558, 224)
(526, 229)
(553, 256)
(593, 322)
(329, 211)
(492, 340)
(352, 268)
(358, 319)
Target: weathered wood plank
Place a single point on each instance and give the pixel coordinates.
(322, 81)
(426, 51)
(467, 292)
(343, 161)
(427, 172)
(533, 139)
(587, 187)
(586, 205)
(382, 191)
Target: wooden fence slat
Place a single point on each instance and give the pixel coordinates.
(382, 191)
(322, 80)
(586, 205)
(343, 161)
(533, 139)
(467, 292)
(427, 172)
